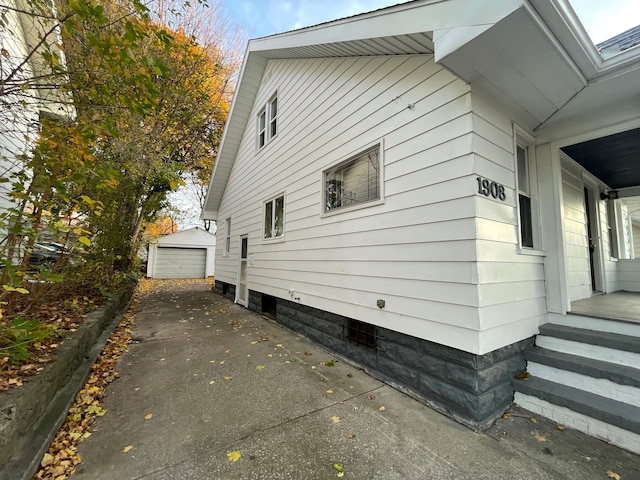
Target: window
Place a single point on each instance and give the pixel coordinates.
(361, 333)
(266, 132)
(527, 189)
(354, 181)
(524, 198)
(273, 114)
(274, 217)
(227, 237)
(262, 138)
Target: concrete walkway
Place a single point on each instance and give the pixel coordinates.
(206, 377)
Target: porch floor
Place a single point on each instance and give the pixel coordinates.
(616, 305)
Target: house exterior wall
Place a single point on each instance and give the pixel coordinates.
(417, 249)
(511, 282)
(18, 119)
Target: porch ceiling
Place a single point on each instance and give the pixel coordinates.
(614, 159)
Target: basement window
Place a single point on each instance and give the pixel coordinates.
(361, 333)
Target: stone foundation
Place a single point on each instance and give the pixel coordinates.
(473, 389)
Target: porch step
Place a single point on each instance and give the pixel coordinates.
(611, 412)
(613, 372)
(583, 321)
(614, 341)
(586, 379)
(604, 346)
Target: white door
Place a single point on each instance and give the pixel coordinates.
(172, 262)
(242, 293)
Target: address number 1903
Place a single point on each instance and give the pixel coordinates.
(492, 189)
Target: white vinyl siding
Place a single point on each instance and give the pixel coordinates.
(575, 232)
(511, 286)
(444, 259)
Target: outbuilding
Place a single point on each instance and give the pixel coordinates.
(186, 254)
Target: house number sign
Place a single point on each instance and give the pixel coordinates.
(492, 189)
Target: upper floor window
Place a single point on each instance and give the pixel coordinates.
(354, 181)
(274, 217)
(267, 126)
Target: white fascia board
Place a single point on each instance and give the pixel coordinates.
(414, 17)
(249, 79)
(571, 34)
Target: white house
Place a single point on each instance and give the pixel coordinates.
(189, 253)
(29, 90)
(429, 188)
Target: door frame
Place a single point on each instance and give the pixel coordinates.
(243, 256)
(592, 219)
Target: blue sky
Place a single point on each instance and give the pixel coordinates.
(602, 19)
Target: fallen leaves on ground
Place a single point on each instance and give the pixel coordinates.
(61, 458)
(148, 416)
(613, 475)
(382, 408)
(560, 427)
(234, 456)
(260, 367)
(540, 438)
(335, 419)
(127, 449)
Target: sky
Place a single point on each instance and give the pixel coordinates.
(602, 19)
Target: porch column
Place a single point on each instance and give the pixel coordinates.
(550, 200)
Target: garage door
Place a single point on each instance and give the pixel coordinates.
(180, 262)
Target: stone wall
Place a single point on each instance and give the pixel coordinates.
(473, 389)
(29, 414)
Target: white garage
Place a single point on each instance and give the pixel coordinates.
(186, 254)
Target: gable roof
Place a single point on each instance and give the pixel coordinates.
(498, 47)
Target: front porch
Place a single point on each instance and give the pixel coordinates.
(624, 306)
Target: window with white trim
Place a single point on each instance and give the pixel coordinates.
(354, 181)
(274, 217)
(227, 237)
(527, 189)
(267, 122)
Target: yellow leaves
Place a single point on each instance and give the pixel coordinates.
(228, 378)
(560, 427)
(47, 460)
(111, 183)
(127, 449)
(335, 419)
(9, 288)
(540, 438)
(260, 367)
(338, 467)
(234, 456)
(329, 392)
(613, 475)
(148, 416)
(85, 241)
(382, 408)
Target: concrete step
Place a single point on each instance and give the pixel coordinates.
(622, 327)
(610, 380)
(597, 345)
(627, 343)
(597, 369)
(611, 420)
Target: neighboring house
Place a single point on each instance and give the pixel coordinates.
(27, 90)
(186, 254)
(425, 188)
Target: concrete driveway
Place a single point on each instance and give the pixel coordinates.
(205, 378)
